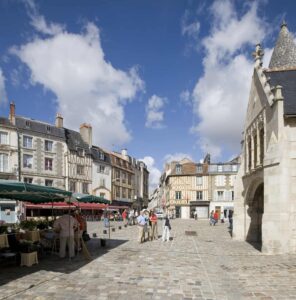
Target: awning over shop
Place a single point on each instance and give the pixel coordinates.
(86, 198)
(33, 193)
(53, 205)
(61, 205)
(121, 203)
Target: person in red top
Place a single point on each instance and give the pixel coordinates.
(216, 217)
(124, 216)
(154, 231)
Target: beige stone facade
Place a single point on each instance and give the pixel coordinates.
(264, 206)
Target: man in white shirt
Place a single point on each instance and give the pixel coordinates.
(66, 225)
(141, 223)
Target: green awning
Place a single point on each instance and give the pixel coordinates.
(16, 190)
(89, 198)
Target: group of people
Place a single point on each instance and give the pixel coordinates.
(70, 228)
(129, 217)
(147, 224)
(214, 217)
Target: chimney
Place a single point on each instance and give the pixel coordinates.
(59, 123)
(124, 153)
(12, 113)
(86, 133)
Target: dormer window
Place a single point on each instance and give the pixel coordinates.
(199, 169)
(48, 128)
(220, 168)
(28, 124)
(102, 156)
(178, 169)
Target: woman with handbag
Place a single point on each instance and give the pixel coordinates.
(166, 229)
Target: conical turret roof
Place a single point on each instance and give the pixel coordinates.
(284, 53)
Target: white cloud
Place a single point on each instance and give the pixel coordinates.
(185, 97)
(176, 157)
(38, 21)
(154, 172)
(188, 28)
(154, 112)
(3, 96)
(221, 94)
(88, 88)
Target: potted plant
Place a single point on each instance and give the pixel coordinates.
(28, 225)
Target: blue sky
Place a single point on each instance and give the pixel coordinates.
(164, 79)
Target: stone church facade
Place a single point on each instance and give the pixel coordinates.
(265, 191)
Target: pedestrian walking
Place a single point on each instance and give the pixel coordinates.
(154, 230)
(212, 219)
(195, 215)
(230, 214)
(166, 228)
(124, 216)
(141, 223)
(216, 217)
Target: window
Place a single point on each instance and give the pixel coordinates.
(129, 179)
(199, 169)
(199, 180)
(48, 164)
(220, 180)
(102, 156)
(232, 195)
(28, 180)
(3, 162)
(220, 195)
(3, 138)
(27, 142)
(117, 175)
(123, 177)
(255, 150)
(249, 154)
(72, 186)
(101, 169)
(178, 195)
(48, 146)
(48, 128)
(102, 182)
(178, 169)
(129, 194)
(102, 195)
(28, 161)
(199, 195)
(117, 190)
(28, 124)
(85, 188)
(80, 169)
(48, 182)
(123, 193)
(80, 152)
(220, 168)
(261, 134)
(234, 168)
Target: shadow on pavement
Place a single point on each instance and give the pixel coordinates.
(51, 265)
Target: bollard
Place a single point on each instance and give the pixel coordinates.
(113, 229)
(119, 227)
(103, 243)
(105, 231)
(125, 225)
(94, 235)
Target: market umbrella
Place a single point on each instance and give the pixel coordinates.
(89, 198)
(33, 193)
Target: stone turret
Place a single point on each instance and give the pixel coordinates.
(284, 53)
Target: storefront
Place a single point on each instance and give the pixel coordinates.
(202, 208)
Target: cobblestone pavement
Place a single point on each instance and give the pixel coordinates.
(209, 265)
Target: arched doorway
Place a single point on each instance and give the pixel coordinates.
(255, 211)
